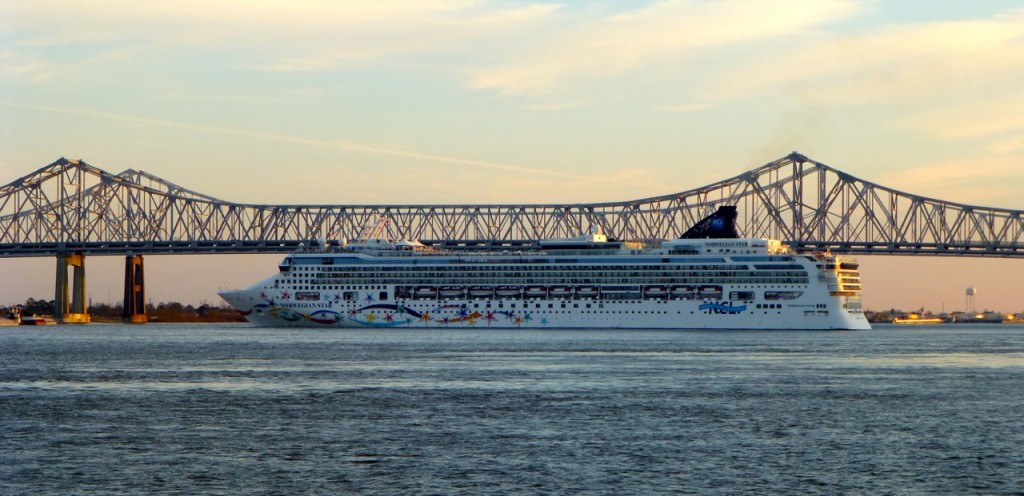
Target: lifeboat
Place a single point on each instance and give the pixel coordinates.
(508, 291)
(686, 292)
(481, 292)
(425, 292)
(451, 292)
(711, 291)
(561, 292)
(655, 291)
(587, 291)
(535, 292)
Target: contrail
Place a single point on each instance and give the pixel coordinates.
(353, 147)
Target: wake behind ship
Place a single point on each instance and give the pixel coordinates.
(707, 279)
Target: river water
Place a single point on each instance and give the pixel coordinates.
(231, 409)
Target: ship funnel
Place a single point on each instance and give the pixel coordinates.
(719, 225)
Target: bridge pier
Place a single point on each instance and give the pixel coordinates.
(134, 291)
(73, 310)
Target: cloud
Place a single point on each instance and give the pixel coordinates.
(686, 107)
(983, 116)
(1011, 145)
(658, 33)
(273, 35)
(985, 180)
(887, 64)
(341, 145)
(557, 106)
(28, 67)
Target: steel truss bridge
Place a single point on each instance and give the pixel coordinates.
(70, 209)
(70, 206)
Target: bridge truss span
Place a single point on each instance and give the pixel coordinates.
(71, 206)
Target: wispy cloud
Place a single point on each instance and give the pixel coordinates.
(29, 67)
(991, 181)
(286, 36)
(886, 64)
(341, 145)
(686, 107)
(980, 117)
(557, 105)
(1011, 145)
(657, 33)
(209, 96)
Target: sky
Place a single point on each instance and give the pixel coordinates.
(476, 101)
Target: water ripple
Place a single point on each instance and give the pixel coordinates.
(234, 410)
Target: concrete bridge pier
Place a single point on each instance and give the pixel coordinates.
(134, 291)
(73, 310)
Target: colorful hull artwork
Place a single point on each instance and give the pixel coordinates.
(388, 315)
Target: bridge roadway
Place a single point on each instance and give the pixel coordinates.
(10, 250)
(70, 209)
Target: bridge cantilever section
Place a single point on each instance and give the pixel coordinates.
(71, 206)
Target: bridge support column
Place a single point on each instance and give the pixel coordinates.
(134, 291)
(73, 310)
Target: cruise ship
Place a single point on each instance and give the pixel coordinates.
(710, 278)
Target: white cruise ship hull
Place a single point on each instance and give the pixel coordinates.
(673, 292)
(547, 314)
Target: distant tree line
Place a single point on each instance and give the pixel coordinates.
(33, 306)
(162, 312)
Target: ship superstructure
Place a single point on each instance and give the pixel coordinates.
(696, 282)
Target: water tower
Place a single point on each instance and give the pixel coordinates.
(970, 299)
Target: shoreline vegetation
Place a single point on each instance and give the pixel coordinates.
(161, 312)
(923, 316)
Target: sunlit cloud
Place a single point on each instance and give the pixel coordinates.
(989, 181)
(686, 107)
(984, 116)
(28, 67)
(557, 106)
(886, 64)
(341, 145)
(1014, 144)
(659, 32)
(309, 36)
(208, 96)
(305, 64)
